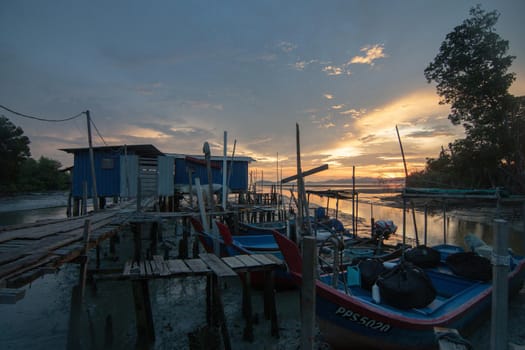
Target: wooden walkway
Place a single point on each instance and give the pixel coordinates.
(205, 265)
(31, 250)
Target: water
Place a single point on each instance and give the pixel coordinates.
(40, 320)
(32, 207)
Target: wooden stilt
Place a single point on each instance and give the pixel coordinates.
(108, 332)
(137, 240)
(76, 206)
(112, 242)
(153, 230)
(77, 295)
(209, 301)
(73, 336)
(308, 293)
(143, 314)
(270, 309)
(247, 308)
(219, 312)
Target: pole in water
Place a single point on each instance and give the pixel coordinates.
(406, 176)
(500, 286)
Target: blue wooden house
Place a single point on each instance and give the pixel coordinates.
(117, 170)
(194, 166)
(120, 169)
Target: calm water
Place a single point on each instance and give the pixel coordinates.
(40, 320)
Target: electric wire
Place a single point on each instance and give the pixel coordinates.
(99, 135)
(40, 118)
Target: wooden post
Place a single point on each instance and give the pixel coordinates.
(108, 332)
(406, 176)
(153, 237)
(76, 206)
(270, 310)
(356, 212)
(137, 241)
(98, 256)
(500, 286)
(207, 157)
(84, 198)
(139, 194)
(353, 201)
(77, 296)
(143, 314)
(425, 234)
(444, 222)
(219, 311)
(92, 161)
(69, 198)
(247, 308)
(308, 303)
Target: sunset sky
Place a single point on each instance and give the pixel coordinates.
(178, 73)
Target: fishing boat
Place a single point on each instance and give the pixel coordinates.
(351, 315)
(230, 245)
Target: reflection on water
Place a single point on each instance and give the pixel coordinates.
(33, 207)
(458, 223)
(31, 215)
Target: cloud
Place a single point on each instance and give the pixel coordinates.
(325, 122)
(286, 46)
(337, 106)
(423, 126)
(372, 53)
(328, 96)
(354, 113)
(301, 65)
(204, 105)
(334, 70)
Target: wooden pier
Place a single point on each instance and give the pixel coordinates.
(31, 250)
(214, 269)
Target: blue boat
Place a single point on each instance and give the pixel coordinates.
(230, 245)
(349, 315)
(261, 228)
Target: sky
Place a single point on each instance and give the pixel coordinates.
(176, 74)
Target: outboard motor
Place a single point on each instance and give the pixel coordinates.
(383, 229)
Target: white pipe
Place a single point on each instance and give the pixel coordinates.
(224, 171)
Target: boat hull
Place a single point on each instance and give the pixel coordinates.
(346, 321)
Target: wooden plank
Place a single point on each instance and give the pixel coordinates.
(248, 261)
(142, 268)
(262, 259)
(161, 264)
(127, 268)
(217, 266)
(233, 262)
(177, 267)
(305, 173)
(275, 259)
(147, 267)
(155, 271)
(197, 265)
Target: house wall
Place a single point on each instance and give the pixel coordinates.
(107, 170)
(238, 177)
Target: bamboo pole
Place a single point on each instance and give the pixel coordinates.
(406, 176)
(500, 286)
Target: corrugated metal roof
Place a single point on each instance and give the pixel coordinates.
(214, 158)
(142, 150)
